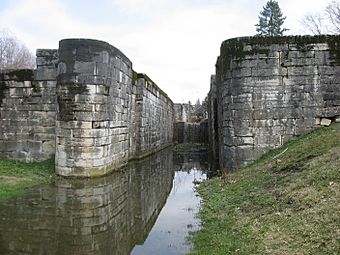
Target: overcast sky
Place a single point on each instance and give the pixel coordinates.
(175, 42)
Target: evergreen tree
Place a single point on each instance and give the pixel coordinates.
(271, 20)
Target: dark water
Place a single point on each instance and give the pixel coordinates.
(147, 208)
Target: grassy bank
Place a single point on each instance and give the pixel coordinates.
(288, 202)
(15, 176)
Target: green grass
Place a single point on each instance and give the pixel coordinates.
(288, 202)
(15, 176)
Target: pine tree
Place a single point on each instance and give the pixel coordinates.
(271, 20)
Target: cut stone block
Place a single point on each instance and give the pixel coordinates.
(325, 122)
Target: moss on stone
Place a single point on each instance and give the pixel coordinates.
(334, 47)
(234, 49)
(21, 75)
(35, 87)
(134, 77)
(13, 75)
(66, 102)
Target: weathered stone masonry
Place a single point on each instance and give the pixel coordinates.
(94, 112)
(27, 110)
(186, 131)
(268, 91)
(191, 132)
(154, 117)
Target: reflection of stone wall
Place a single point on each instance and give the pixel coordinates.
(272, 89)
(106, 215)
(188, 160)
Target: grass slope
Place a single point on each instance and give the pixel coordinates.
(288, 202)
(15, 176)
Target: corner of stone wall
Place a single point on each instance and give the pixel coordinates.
(94, 95)
(272, 89)
(85, 104)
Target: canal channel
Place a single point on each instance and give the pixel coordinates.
(148, 207)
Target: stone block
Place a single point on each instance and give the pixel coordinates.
(34, 146)
(298, 62)
(241, 72)
(90, 133)
(296, 52)
(47, 61)
(321, 47)
(317, 121)
(47, 53)
(266, 72)
(322, 58)
(327, 70)
(325, 122)
(45, 73)
(9, 145)
(48, 147)
(303, 71)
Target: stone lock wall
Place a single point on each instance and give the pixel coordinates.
(213, 136)
(189, 132)
(270, 90)
(183, 112)
(27, 110)
(106, 115)
(86, 105)
(94, 95)
(154, 117)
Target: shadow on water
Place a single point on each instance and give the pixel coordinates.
(116, 214)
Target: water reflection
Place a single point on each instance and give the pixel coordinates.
(108, 215)
(178, 217)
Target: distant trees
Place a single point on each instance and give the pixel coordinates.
(271, 20)
(314, 23)
(324, 22)
(199, 110)
(13, 53)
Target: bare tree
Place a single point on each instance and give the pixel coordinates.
(13, 53)
(314, 23)
(333, 13)
(327, 21)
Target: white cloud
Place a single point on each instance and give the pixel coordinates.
(295, 10)
(141, 7)
(180, 50)
(175, 42)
